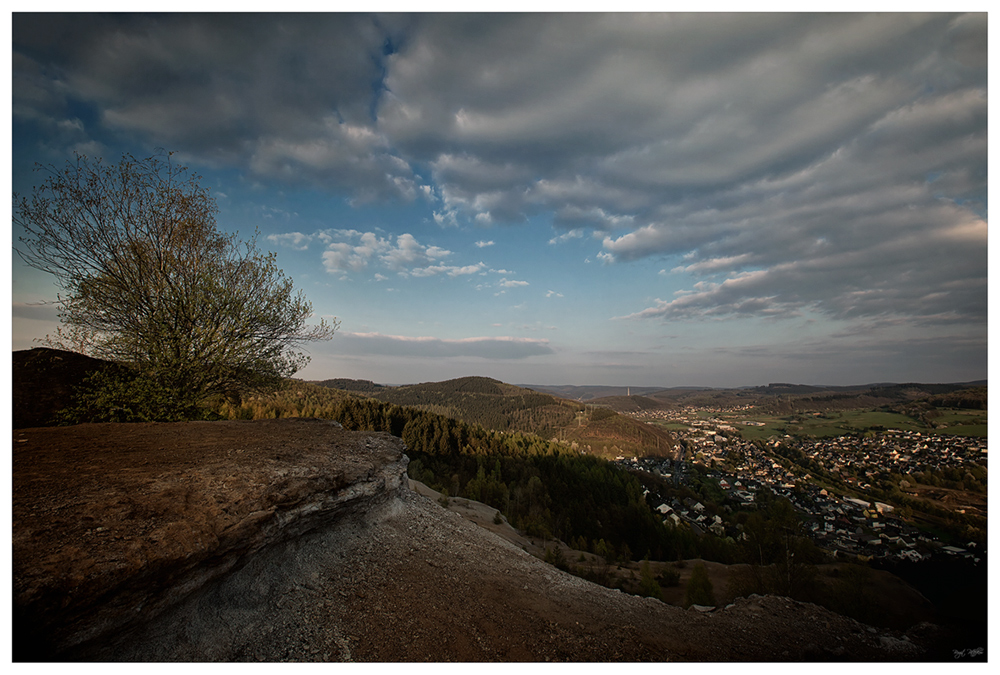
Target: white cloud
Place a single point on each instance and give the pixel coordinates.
(449, 270)
(353, 251)
(408, 252)
(295, 240)
(343, 256)
(484, 244)
(716, 264)
(510, 283)
(566, 236)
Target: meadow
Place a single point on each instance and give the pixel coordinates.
(949, 422)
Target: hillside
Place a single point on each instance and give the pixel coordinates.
(588, 393)
(109, 518)
(498, 406)
(781, 398)
(293, 540)
(46, 380)
(548, 487)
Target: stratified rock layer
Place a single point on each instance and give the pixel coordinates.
(112, 524)
(296, 540)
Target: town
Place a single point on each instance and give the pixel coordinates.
(851, 522)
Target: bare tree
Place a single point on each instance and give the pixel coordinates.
(148, 280)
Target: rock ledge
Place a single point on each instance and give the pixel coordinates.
(113, 524)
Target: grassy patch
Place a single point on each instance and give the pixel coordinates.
(977, 430)
(830, 424)
(670, 426)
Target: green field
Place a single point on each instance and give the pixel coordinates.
(958, 422)
(978, 430)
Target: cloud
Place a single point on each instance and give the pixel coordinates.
(864, 231)
(289, 97)
(484, 244)
(504, 348)
(449, 270)
(343, 256)
(354, 251)
(803, 150)
(43, 311)
(294, 240)
(878, 281)
(594, 217)
(566, 236)
(831, 163)
(510, 283)
(408, 253)
(517, 119)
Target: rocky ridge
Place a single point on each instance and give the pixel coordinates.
(297, 540)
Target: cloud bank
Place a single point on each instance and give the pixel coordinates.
(503, 348)
(774, 165)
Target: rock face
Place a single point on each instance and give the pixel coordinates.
(296, 540)
(113, 524)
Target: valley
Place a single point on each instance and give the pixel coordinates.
(634, 492)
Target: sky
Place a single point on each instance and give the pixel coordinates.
(714, 199)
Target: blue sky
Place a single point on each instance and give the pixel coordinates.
(659, 200)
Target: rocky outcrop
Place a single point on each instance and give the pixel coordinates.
(114, 524)
(296, 540)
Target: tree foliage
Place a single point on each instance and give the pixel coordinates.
(147, 279)
(779, 559)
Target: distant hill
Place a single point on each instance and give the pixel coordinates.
(590, 392)
(496, 405)
(629, 403)
(345, 384)
(481, 400)
(780, 397)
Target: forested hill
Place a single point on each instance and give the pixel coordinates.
(499, 406)
(780, 398)
(480, 400)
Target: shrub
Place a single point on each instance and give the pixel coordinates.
(699, 589)
(121, 396)
(669, 576)
(648, 586)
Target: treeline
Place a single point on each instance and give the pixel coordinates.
(587, 502)
(346, 384)
(971, 477)
(975, 398)
(485, 402)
